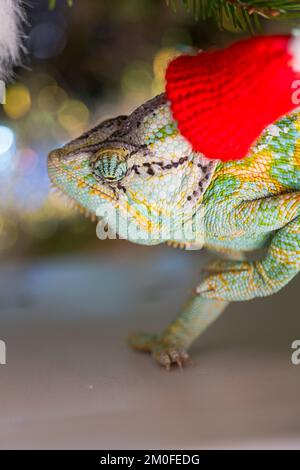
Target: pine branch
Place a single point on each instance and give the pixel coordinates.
(240, 15)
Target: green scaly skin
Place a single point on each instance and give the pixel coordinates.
(142, 177)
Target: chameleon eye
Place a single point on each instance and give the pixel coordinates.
(110, 165)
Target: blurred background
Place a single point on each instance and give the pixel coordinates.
(68, 300)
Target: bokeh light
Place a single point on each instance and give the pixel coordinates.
(27, 161)
(160, 62)
(18, 101)
(74, 116)
(47, 40)
(7, 148)
(52, 98)
(137, 80)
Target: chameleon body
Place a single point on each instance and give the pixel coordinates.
(144, 179)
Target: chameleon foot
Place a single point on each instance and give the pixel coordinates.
(165, 354)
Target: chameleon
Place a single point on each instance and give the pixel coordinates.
(139, 175)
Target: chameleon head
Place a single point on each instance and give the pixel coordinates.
(138, 174)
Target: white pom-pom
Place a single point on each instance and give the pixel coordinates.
(11, 17)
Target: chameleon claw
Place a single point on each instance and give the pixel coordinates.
(164, 360)
(170, 357)
(166, 355)
(175, 358)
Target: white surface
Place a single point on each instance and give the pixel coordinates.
(71, 382)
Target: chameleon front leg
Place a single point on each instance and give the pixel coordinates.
(172, 345)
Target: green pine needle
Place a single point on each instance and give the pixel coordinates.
(240, 15)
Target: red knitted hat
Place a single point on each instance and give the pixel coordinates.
(224, 99)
